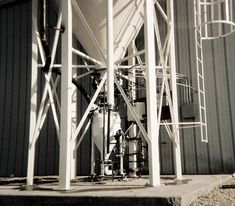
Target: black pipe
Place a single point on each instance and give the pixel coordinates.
(75, 82)
(44, 21)
(108, 129)
(104, 128)
(43, 33)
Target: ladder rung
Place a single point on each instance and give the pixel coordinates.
(199, 45)
(196, 12)
(203, 108)
(201, 91)
(198, 29)
(200, 75)
(199, 60)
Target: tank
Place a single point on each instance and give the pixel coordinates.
(89, 25)
(98, 129)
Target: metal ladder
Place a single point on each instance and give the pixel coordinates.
(200, 71)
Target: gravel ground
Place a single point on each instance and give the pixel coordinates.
(219, 196)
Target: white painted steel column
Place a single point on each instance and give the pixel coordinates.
(66, 99)
(33, 101)
(110, 63)
(153, 132)
(175, 119)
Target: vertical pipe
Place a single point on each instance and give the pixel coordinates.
(121, 155)
(92, 156)
(175, 118)
(153, 132)
(231, 6)
(108, 129)
(104, 135)
(110, 66)
(219, 17)
(66, 90)
(44, 20)
(227, 10)
(133, 130)
(33, 101)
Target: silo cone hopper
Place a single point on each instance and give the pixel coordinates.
(89, 25)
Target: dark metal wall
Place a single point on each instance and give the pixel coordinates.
(15, 63)
(15, 58)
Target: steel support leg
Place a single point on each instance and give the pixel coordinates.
(153, 132)
(175, 118)
(66, 98)
(33, 102)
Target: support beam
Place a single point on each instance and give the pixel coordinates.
(110, 62)
(175, 118)
(66, 98)
(33, 102)
(153, 132)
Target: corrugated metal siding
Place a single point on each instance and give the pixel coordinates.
(197, 157)
(194, 153)
(14, 89)
(47, 150)
(218, 155)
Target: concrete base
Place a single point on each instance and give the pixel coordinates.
(128, 192)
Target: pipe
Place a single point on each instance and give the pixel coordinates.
(43, 35)
(108, 132)
(76, 83)
(110, 63)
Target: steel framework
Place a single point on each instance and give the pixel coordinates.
(155, 65)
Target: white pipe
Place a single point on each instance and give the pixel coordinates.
(110, 61)
(227, 10)
(133, 129)
(121, 155)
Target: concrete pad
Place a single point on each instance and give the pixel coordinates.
(134, 192)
